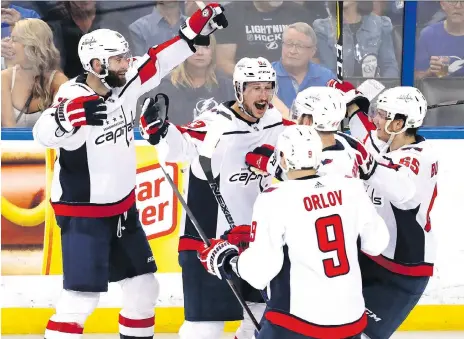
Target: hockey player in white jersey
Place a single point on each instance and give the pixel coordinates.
(324, 109)
(304, 249)
(93, 190)
(401, 273)
(248, 121)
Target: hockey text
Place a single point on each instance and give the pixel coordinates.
(113, 135)
(245, 177)
(322, 200)
(372, 315)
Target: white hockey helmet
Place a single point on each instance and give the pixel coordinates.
(404, 100)
(326, 105)
(101, 44)
(252, 70)
(301, 147)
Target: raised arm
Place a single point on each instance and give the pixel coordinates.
(161, 59)
(183, 141)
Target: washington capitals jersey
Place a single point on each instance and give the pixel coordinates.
(95, 168)
(412, 247)
(238, 185)
(339, 158)
(304, 248)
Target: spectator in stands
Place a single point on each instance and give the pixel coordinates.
(76, 19)
(318, 9)
(256, 30)
(295, 70)
(10, 16)
(367, 42)
(161, 25)
(440, 49)
(195, 86)
(29, 86)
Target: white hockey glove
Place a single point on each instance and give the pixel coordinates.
(202, 23)
(89, 110)
(216, 258)
(351, 94)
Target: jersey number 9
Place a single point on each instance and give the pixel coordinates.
(330, 238)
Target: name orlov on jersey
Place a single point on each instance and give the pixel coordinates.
(114, 132)
(245, 176)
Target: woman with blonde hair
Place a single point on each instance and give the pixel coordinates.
(31, 84)
(196, 85)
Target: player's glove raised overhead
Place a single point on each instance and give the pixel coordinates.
(89, 110)
(352, 95)
(153, 119)
(239, 236)
(202, 23)
(216, 258)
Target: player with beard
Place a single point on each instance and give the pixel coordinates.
(93, 190)
(249, 121)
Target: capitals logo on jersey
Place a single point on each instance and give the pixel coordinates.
(245, 176)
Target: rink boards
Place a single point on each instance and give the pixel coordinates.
(27, 300)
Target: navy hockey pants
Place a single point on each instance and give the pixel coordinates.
(271, 331)
(389, 297)
(206, 298)
(94, 254)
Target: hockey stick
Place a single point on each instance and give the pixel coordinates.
(161, 157)
(200, 4)
(212, 138)
(371, 88)
(446, 103)
(339, 45)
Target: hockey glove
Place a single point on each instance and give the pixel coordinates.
(153, 119)
(262, 160)
(202, 23)
(352, 95)
(216, 258)
(239, 236)
(80, 111)
(366, 162)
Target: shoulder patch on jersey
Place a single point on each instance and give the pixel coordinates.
(418, 149)
(326, 161)
(286, 122)
(270, 189)
(195, 124)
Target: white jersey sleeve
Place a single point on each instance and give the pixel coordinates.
(263, 260)
(146, 74)
(185, 141)
(373, 230)
(46, 131)
(156, 64)
(396, 183)
(364, 130)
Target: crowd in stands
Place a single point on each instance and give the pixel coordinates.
(40, 39)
